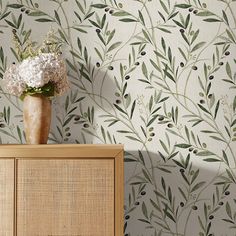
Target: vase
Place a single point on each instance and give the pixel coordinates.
(37, 118)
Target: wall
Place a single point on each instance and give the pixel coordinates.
(158, 76)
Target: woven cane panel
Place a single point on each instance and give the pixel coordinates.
(6, 197)
(65, 198)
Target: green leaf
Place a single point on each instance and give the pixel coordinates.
(80, 7)
(146, 175)
(228, 70)
(89, 15)
(225, 17)
(121, 13)
(184, 6)
(1, 55)
(132, 109)
(230, 176)
(204, 109)
(120, 109)
(212, 160)
(144, 70)
(155, 65)
(152, 120)
(145, 221)
(179, 24)
(60, 132)
(195, 35)
(57, 17)
(197, 186)
(4, 15)
(67, 121)
(100, 6)
(212, 20)
(228, 210)
(195, 175)
(217, 108)
(170, 216)
(205, 153)
(113, 46)
(19, 21)
(234, 104)
(187, 21)
(124, 131)
(169, 75)
(67, 103)
(164, 146)
(164, 30)
(183, 145)
(112, 123)
(62, 35)
(164, 7)
(204, 13)
(197, 46)
(103, 21)
(163, 44)
(128, 20)
(154, 205)
(36, 13)
(16, 6)
(141, 157)
(146, 36)
(11, 24)
(47, 90)
(218, 139)
(19, 133)
(183, 54)
(169, 55)
(111, 35)
(182, 193)
(94, 24)
(79, 44)
(85, 76)
(172, 15)
(102, 39)
(71, 66)
(141, 17)
(130, 160)
(225, 157)
(86, 54)
(44, 20)
(230, 35)
(103, 133)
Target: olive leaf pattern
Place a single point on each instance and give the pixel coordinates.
(158, 76)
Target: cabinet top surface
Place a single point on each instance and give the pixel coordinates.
(48, 146)
(60, 150)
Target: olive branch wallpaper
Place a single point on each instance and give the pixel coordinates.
(156, 75)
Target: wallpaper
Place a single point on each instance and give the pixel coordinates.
(157, 76)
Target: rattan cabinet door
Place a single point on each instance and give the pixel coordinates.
(65, 197)
(6, 197)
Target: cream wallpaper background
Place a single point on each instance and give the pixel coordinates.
(156, 75)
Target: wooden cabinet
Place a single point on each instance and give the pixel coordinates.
(61, 190)
(6, 197)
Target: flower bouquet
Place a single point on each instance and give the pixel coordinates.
(39, 75)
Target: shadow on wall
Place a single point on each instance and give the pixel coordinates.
(177, 195)
(168, 196)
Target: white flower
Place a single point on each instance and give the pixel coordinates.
(12, 83)
(36, 72)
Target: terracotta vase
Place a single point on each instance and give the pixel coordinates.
(37, 118)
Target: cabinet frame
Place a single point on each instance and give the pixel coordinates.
(67, 152)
